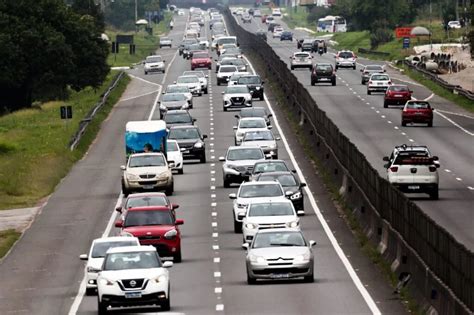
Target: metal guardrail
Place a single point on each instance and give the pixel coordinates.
(441, 267)
(86, 121)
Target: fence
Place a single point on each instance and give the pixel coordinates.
(85, 122)
(442, 269)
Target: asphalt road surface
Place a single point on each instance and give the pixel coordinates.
(43, 274)
(376, 130)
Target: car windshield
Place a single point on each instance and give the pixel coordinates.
(263, 190)
(418, 105)
(379, 77)
(252, 123)
(270, 209)
(153, 59)
(245, 154)
(228, 69)
(178, 118)
(184, 133)
(258, 136)
(398, 88)
(147, 160)
(173, 97)
(236, 89)
(237, 62)
(100, 248)
(223, 41)
(147, 201)
(286, 180)
(201, 55)
(148, 217)
(270, 167)
(188, 79)
(177, 89)
(346, 55)
(413, 157)
(253, 112)
(235, 76)
(374, 68)
(235, 51)
(163, 39)
(270, 239)
(132, 260)
(301, 55)
(199, 74)
(249, 80)
(324, 67)
(225, 46)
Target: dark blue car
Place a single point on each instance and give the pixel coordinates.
(286, 35)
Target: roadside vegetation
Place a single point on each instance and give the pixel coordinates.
(7, 239)
(34, 153)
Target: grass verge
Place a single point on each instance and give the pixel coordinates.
(7, 239)
(145, 44)
(366, 246)
(34, 153)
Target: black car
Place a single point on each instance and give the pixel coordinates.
(255, 85)
(190, 140)
(255, 112)
(307, 45)
(272, 26)
(290, 183)
(286, 35)
(261, 34)
(177, 118)
(189, 50)
(299, 42)
(317, 43)
(323, 72)
(268, 166)
(185, 43)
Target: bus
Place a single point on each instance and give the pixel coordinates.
(332, 24)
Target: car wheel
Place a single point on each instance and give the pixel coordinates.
(251, 280)
(261, 97)
(101, 307)
(218, 82)
(146, 73)
(309, 279)
(237, 226)
(224, 108)
(226, 184)
(312, 82)
(206, 91)
(177, 258)
(164, 70)
(362, 82)
(203, 158)
(180, 171)
(169, 191)
(90, 291)
(385, 104)
(166, 305)
(337, 67)
(434, 195)
(292, 68)
(368, 92)
(404, 123)
(333, 83)
(430, 124)
(354, 67)
(125, 191)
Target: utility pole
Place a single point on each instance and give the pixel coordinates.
(136, 11)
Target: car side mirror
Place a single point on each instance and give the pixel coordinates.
(386, 159)
(312, 243)
(241, 216)
(163, 93)
(119, 209)
(361, 70)
(277, 138)
(179, 222)
(270, 127)
(288, 193)
(171, 165)
(204, 136)
(302, 184)
(122, 167)
(174, 206)
(221, 158)
(233, 196)
(263, 82)
(83, 257)
(268, 156)
(167, 264)
(119, 224)
(235, 128)
(245, 246)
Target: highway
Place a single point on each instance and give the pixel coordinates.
(43, 274)
(375, 131)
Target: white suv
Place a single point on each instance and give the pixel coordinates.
(133, 276)
(346, 59)
(249, 192)
(249, 124)
(412, 169)
(378, 82)
(264, 215)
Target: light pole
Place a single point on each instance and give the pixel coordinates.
(136, 11)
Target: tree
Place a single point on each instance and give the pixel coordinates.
(121, 13)
(90, 8)
(46, 46)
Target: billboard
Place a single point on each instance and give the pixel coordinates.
(401, 32)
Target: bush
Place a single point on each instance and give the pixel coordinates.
(380, 36)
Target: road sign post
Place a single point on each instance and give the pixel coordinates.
(65, 113)
(406, 42)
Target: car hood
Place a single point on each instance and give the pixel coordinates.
(271, 219)
(256, 199)
(275, 252)
(147, 170)
(174, 156)
(190, 84)
(148, 273)
(148, 230)
(243, 162)
(244, 95)
(263, 143)
(174, 103)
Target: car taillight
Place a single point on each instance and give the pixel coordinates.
(394, 169)
(389, 82)
(432, 168)
(370, 82)
(366, 72)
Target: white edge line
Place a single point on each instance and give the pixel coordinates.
(455, 114)
(141, 79)
(355, 278)
(455, 123)
(134, 97)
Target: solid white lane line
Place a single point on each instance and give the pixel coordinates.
(355, 278)
(453, 113)
(429, 97)
(454, 123)
(135, 97)
(146, 81)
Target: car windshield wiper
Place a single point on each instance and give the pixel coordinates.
(283, 244)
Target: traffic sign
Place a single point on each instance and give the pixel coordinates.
(403, 32)
(66, 112)
(406, 42)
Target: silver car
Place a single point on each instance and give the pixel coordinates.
(154, 64)
(301, 60)
(165, 41)
(192, 82)
(238, 164)
(202, 78)
(277, 254)
(368, 70)
(263, 139)
(173, 88)
(172, 101)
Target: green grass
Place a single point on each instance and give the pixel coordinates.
(7, 239)
(145, 44)
(34, 153)
(439, 90)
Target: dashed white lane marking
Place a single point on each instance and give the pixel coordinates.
(219, 307)
(447, 171)
(213, 179)
(217, 274)
(215, 247)
(411, 140)
(213, 187)
(459, 179)
(396, 127)
(213, 196)
(215, 234)
(214, 224)
(470, 188)
(214, 214)
(214, 204)
(383, 116)
(217, 260)
(389, 121)
(218, 290)
(143, 80)
(404, 134)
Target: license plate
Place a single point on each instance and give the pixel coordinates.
(324, 79)
(413, 187)
(418, 113)
(133, 295)
(280, 276)
(185, 151)
(201, 65)
(147, 186)
(397, 95)
(379, 83)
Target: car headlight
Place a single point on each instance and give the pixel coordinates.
(161, 278)
(171, 234)
(104, 281)
(126, 234)
(257, 259)
(251, 226)
(198, 145)
(296, 195)
(92, 269)
(301, 258)
(185, 106)
(163, 176)
(163, 107)
(292, 224)
(257, 88)
(230, 166)
(272, 146)
(132, 177)
(241, 205)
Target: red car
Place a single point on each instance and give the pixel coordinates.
(201, 59)
(155, 226)
(417, 112)
(396, 95)
(264, 18)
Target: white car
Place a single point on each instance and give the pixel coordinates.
(276, 12)
(454, 24)
(133, 276)
(269, 19)
(147, 172)
(249, 124)
(277, 31)
(174, 155)
(250, 192)
(257, 13)
(154, 64)
(202, 78)
(181, 12)
(264, 215)
(96, 255)
(301, 60)
(224, 73)
(180, 89)
(378, 82)
(192, 82)
(263, 139)
(236, 96)
(204, 41)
